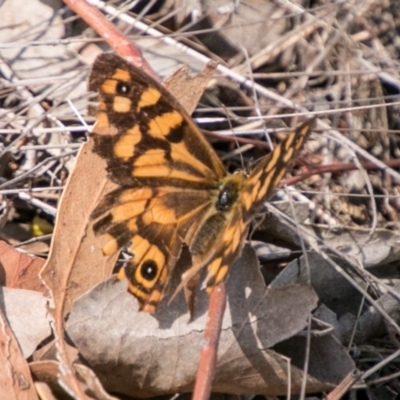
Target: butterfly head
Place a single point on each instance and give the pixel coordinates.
(229, 191)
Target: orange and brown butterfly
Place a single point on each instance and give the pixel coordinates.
(173, 190)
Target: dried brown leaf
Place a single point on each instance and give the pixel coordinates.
(19, 270)
(47, 372)
(189, 89)
(44, 391)
(76, 262)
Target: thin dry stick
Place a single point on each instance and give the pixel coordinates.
(380, 365)
(113, 36)
(344, 386)
(336, 168)
(208, 354)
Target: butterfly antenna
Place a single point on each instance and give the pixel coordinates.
(257, 107)
(233, 133)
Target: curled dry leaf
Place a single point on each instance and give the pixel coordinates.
(370, 248)
(134, 353)
(47, 372)
(15, 377)
(26, 312)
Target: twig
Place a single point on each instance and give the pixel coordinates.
(335, 168)
(208, 354)
(112, 35)
(343, 386)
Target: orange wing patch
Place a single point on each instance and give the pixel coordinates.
(165, 123)
(149, 98)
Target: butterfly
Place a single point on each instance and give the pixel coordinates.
(172, 189)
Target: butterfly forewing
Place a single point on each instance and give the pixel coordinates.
(172, 187)
(144, 133)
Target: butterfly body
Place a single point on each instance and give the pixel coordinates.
(172, 188)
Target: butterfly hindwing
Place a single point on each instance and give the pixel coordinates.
(255, 189)
(252, 192)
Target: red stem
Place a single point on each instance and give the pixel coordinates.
(112, 35)
(208, 353)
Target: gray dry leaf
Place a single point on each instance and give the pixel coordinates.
(26, 312)
(15, 378)
(382, 246)
(134, 353)
(371, 324)
(332, 288)
(340, 300)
